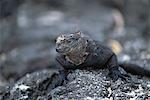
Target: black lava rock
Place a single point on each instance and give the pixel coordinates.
(34, 86)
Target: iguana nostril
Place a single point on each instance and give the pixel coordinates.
(57, 49)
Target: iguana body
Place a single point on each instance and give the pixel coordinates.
(76, 51)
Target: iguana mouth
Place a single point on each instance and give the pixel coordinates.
(63, 51)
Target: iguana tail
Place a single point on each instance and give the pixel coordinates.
(135, 69)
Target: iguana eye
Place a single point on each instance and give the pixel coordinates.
(62, 41)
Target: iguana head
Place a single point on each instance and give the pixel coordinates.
(66, 42)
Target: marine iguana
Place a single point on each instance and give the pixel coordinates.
(78, 51)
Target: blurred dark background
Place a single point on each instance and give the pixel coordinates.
(28, 29)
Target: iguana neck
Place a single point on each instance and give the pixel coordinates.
(78, 54)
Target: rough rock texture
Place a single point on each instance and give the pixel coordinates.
(82, 84)
(95, 85)
(34, 86)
